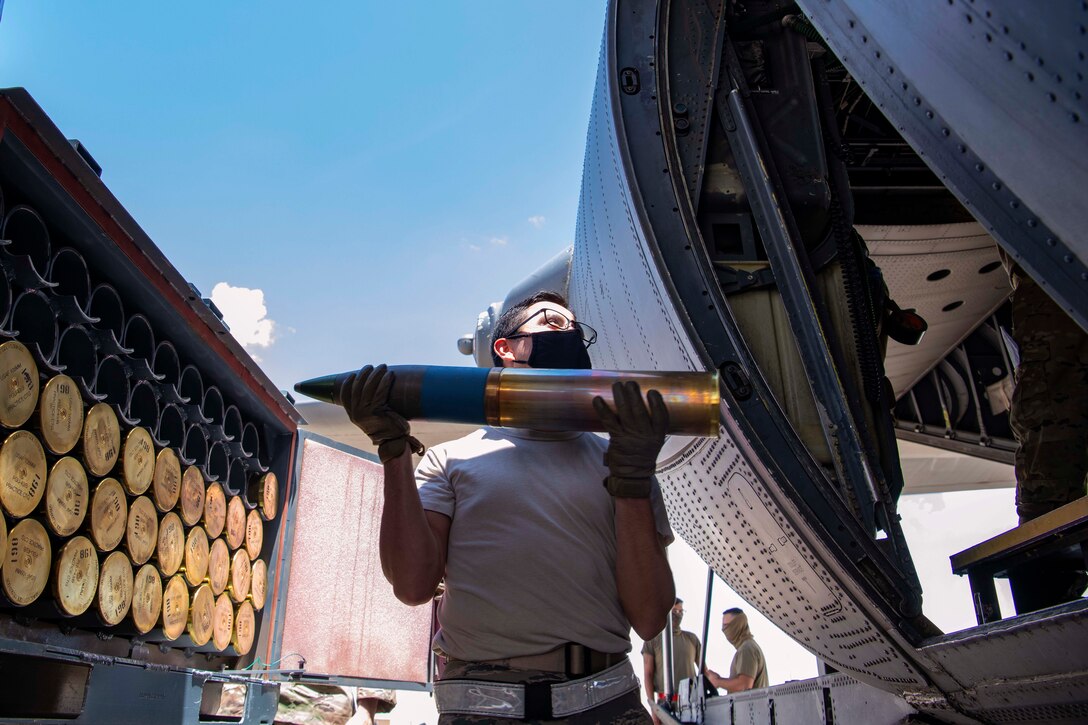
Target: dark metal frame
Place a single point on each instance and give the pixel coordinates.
(889, 580)
(974, 432)
(124, 691)
(1019, 65)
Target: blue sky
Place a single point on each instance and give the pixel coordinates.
(376, 174)
(372, 168)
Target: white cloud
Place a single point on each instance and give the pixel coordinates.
(245, 314)
(537, 221)
(499, 241)
(474, 248)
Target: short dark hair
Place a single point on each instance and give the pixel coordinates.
(678, 601)
(733, 610)
(510, 320)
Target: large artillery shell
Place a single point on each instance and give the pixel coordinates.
(196, 556)
(223, 622)
(201, 615)
(109, 514)
(138, 460)
(192, 496)
(101, 439)
(166, 485)
(25, 573)
(241, 575)
(215, 510)
(175, 607)
(61, 414)
(147, 598)
(554, 400)
(236, 522)
(115, 589)
(171, 547)
(254, 534)
(218, 566)
(264, 492)
(258, 586)
(75, 580)
(18, 384)
(244, 628)
(142, 533)
(66, 497)
(22, 473)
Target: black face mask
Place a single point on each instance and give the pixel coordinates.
(558, 349)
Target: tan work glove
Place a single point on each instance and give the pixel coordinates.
(367, 406)
(636, 435)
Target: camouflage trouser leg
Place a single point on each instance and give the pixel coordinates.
(1049, 414)
(624, 710)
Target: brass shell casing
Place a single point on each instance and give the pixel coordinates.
(61, 414)
(147, 598)
(201, 615)
(175, 607)
(254, 534)
(264, 492)
(101, 439)
(109, 514)
(245, 628)
(22, 473)
(241, 575)
(25, 573)
(223, 622)
(196, 556)
(170, 551)
(191, 501)
(218, 566)
(3, 540)
(563, 399)
(142, 532)
(258, 586)
(215, 509)
(115, 588)
(67, 497)
(541, 399)
(75, 578)
(137, 461)
(236, 522)
(18, 384)
(166, 483)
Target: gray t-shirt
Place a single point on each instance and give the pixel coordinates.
(531, 559)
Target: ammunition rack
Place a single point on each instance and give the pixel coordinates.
(182, 434)
(123, 401)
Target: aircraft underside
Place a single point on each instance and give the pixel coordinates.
(748, 169)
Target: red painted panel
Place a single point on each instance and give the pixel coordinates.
(341, 615)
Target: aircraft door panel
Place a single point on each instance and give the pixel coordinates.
(991, 95)
(621, 285)
(723, 509)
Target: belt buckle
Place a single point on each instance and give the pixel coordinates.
(538, 701)
(576, 660)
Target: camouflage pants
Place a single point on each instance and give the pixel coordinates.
(1049, 415)
(624, 710)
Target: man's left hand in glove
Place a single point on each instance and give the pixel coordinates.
(636, 434)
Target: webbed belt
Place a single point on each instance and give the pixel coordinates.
(535, 701)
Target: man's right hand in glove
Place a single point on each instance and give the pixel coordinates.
(365, 395)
